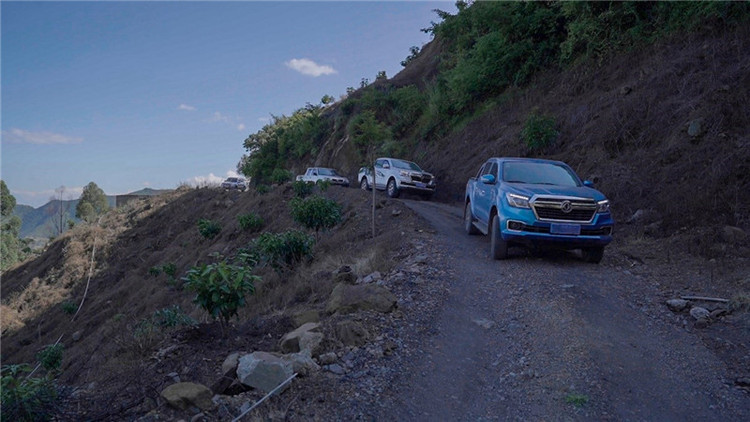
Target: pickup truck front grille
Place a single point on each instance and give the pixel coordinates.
(423, 178)
(557, 209)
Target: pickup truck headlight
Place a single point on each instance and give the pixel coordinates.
(518, 201)
(602, 206)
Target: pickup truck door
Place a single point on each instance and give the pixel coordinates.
(484, 194)
(379, 175)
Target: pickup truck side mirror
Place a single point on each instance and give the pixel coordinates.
(588, 183)
(488, 179)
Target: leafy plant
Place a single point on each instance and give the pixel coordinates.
(323, 184)
(280, 176)
(69, 308)
(538, 131)
(220, 288)
(26, 398)
(283, 250)
(172, 317)
(208, 228)
(154, 271)
(316, 212)
(169, 269)
(302, 188)
(51, 356)
(577, 400)
(262, 189)
(251, 222)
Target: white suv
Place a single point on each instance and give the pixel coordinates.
(234, 183)
(394, 175)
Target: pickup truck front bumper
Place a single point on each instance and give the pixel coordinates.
(523, 228)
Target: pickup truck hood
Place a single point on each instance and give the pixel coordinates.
(532, 189)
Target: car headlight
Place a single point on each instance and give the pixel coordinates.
(602, 206)
(518, 201)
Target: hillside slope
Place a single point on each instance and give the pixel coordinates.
(661, 130)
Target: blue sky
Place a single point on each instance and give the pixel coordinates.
(151, 94)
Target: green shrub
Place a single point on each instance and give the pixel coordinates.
(316, 212)
(51, 356)
(302, 188)
(250, 222)
(26, 398)
(280, 176)
(262, 189)
(154, 271)
(283, 250)
(172, 317)
(208, 228)
(220, 288)
(323, 184)
(538, 131)
(69, 308)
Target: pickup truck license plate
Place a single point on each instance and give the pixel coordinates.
(420, 185)
(571, 229)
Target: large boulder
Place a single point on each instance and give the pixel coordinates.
(308, 334)
(263, 371)
(183, 395)
(351, 333)
(346, 298)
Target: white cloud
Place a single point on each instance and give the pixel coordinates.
(218, 117)
(241, 127)
(309, 67)
(186, 107)
(20, 136)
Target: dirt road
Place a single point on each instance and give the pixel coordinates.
(553, 338)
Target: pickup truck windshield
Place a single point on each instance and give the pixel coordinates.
(400, 164)
(538, 173)
(327, 172)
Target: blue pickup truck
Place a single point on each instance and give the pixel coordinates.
(537, 203)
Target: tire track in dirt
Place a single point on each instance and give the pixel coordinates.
(553, 338)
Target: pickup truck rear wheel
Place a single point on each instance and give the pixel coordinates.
(498, 247)
(469, 220)
(391, 189)
(364, 185)
(593, 255)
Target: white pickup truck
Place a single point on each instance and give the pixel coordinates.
(314, 174)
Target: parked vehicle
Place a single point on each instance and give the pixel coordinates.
(238, 183)
(539, 203)
(394, 176)
(315, 174)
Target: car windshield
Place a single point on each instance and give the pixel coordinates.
(231, 179)
(539, 173)
(401, 164)
(327, 172)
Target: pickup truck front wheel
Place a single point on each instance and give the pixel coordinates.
(498, 247)
(391, 189)
(469, 220)
(364, 185)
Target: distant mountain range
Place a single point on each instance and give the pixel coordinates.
(44, 222)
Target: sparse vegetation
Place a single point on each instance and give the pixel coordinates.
(27, 398)
(283, 250)
(323, 184)
(220, 288)
(302, 188)
(316, 212)
(208, 228)
(539, 131)
(577, 400)
(69, 308)
(251, 222)
(51, 357)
